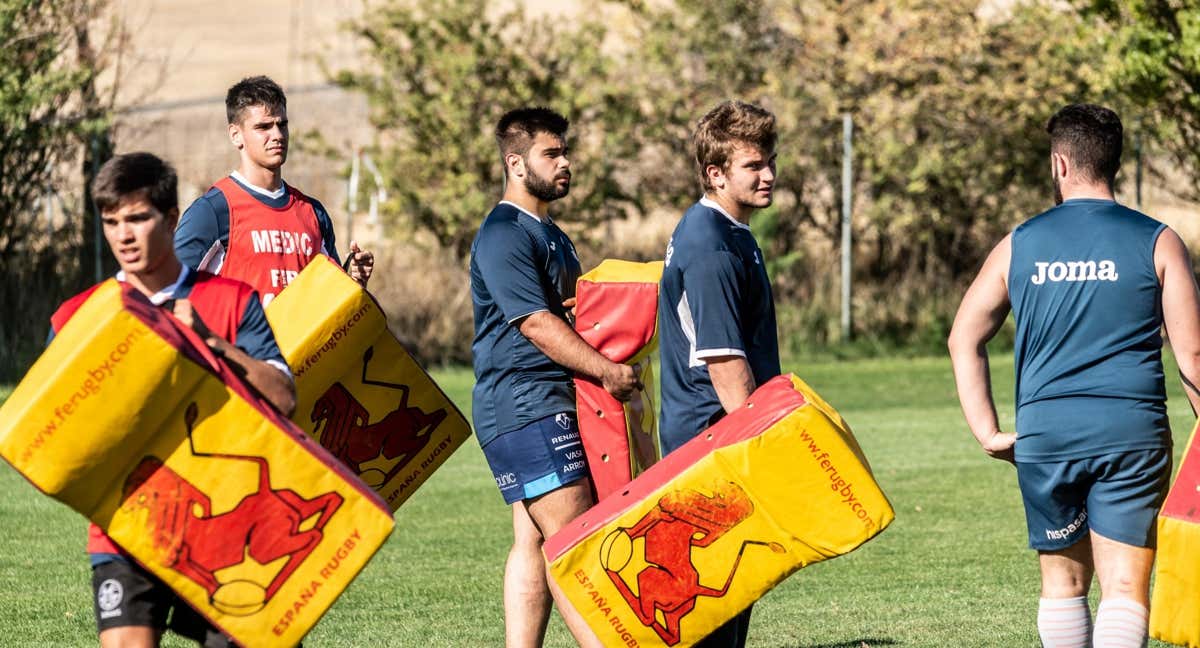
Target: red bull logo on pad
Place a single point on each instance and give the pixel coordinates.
(278, 529)
(664, 585)
(378, 451)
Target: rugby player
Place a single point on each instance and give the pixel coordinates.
(716, 312)
(523, 272)
(1090, 284)
(136, 195)
(251, 225)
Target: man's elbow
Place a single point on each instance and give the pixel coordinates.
(1189, 364)
(283, 393)
(535, 326)
(286, 403)
(961, 342)
(954, 341)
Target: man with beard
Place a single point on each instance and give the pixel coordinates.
(1090, 284)
(717, 314)
(523, 274)
(251, 225)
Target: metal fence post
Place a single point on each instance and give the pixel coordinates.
(98, 228)
(352, 196)
(847, 181)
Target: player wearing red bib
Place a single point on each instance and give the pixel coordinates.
(251, 225)
(136, 195)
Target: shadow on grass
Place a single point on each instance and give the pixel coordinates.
(856, 643)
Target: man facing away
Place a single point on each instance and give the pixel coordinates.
(1090, 283)
(251, 225)
(523, 269)
(716, 314)
(136, 195)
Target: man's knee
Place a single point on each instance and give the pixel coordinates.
(129, 637)
(554, 510)
(527, 544)
(1124, 570)
(1066, 573)
(1060, 585)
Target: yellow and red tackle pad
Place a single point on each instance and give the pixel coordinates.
(1175, 602)
(616, 312)
(776, 485)
(358, 391)
(129, 419)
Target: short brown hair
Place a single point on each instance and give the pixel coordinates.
(253, 91)
(128, 175)
(518, 127)
(1091, 136)
(730, 125)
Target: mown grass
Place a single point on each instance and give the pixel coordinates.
(952, 570)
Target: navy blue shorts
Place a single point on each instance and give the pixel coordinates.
(1116, 495)
(538, 458)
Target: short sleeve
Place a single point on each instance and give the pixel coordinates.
(504, 254)
(712, 286)
(255, 337)
(198, 232)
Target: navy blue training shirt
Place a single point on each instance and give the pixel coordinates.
(520, 265)
(714, 300)
(1088, 307)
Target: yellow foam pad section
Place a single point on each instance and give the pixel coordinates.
(777, 485)
(1175, 601)
(621, 271)
(359, 393)
(129, 420)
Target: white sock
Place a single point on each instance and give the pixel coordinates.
(1121, 623)
(1064, 623)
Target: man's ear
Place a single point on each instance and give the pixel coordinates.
(235, 136)
(715, 175)
(172, 218)
(514, 165)
(1060, 165)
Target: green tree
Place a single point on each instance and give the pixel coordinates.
(439, 75)
(44, 122)
(949, 107)
(1155, 66)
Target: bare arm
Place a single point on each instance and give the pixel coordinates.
(1181, 310)
(732, 379)
(270, 382)
(980, 315)
(563, 345)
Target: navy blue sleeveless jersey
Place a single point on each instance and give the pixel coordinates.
(714, 300)
(1087, 302)
(520, 265)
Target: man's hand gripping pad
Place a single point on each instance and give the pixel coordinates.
(129, 419)
(777, 485)
(616, 312)
(358, 391)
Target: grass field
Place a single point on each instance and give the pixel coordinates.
(952, 570)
